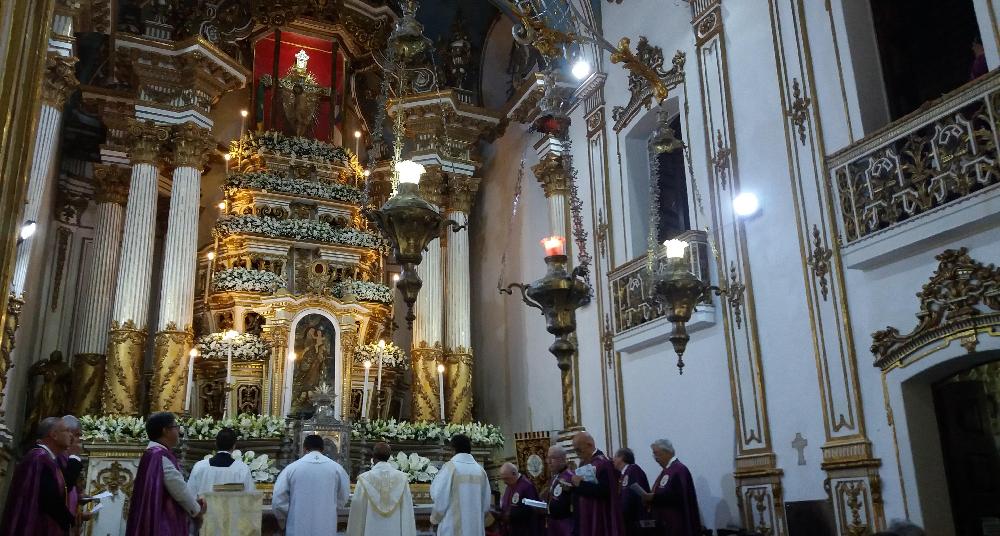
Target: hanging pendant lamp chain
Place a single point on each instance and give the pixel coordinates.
(515, 200)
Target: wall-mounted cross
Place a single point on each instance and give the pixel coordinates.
(800, 443)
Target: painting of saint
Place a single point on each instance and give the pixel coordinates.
(314, 348)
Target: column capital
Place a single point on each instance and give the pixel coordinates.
(59, 79)
(111, 184)
(192, 146)
(552, 174)
(432, 186)
(462, 192)
(145, 138)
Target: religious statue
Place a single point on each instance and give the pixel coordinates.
(314, 346)
(299, 95)
(52, 394)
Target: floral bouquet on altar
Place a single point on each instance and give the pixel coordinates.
(247, 426)
(245, 346)
(262, 468)
(293, 146)
(391, 430)
(392, 356)
(244, 280)
(268, 181)
(363, 290)
(416, 467)
(113, 428)
(298, 229)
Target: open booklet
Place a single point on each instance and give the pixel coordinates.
(587, 473)
(534, 504)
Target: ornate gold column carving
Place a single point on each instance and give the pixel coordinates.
(88, 378)
(145, 140)
(432, 186)
(277, 336)
(348, 343)
(11, 321)
(192, 146)
(458, 396)
(426, 402)
(462, 191)
(60, 79)
(552, 175)
(458, 354)
(123, 378)
(170, 373)
(111, 184)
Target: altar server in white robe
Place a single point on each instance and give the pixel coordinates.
(309, 491)
(382, 504)
(221, 468)
(461, 493)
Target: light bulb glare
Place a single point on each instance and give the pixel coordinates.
(746, 204)
(675, 248)
(409, 172)
(222, 205)
(193, 352)
(357, 134)
(539, 82)
(367, 173)
(244, 113)
(230, 335)
(211, 255)
(581, 69)
(227, 157)
(28, 229)
(440, 367)
(368, 363)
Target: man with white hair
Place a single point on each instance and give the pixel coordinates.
(562, 519)
(673, 498)
(516, 518)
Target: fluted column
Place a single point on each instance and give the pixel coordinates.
(174, 337)
(57, 85)
(458, 338)
(427, 351)
(127, 337)
(110, 195)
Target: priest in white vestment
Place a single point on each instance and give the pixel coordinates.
(309, 491)
(461, 493)
(382, 504)
(222, 468)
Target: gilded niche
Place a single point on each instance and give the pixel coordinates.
(315, 340)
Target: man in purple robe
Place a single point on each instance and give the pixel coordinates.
(638, 520)
(161, 503)
(673, 498)
(72, 466)
(596, 487)
(559, 494)
(516, 518)
(36, 503)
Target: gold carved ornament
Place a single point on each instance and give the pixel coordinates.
(145, 139)
(111, 184)
(425, 382)
(170, 372)
(961, 300)
(459, 397)
(11, 321)
(192, 146)
(60, 79)
(88, 378)
(123, 375)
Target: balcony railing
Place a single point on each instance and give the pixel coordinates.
(937, 156)
(631, 293)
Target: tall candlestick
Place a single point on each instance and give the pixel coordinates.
(230, 336)
(381, 352)
(190, 381)
(364, 392)
(357, 141)
(441, 389)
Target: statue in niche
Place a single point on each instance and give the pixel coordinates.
(300, 96)
(253, 323)
(314, 348)
(50, 396)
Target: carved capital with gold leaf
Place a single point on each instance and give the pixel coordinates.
(111, 184)
(144, 140)
(432, 186)
(462, 192)
(552, 174)
(192, 146)
(60, 79)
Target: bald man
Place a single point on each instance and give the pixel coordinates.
(596, 486)
(559, 495)
(36, 504)
(517, 519)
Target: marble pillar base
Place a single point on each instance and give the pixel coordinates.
(458, 396)
(88, 378)
(426, 405)
(11, 322)
(170, 370)
(123, 378)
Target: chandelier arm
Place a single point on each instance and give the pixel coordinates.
(455, 226)
(524, 296)
(595, 37)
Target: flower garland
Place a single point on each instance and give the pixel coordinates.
(276, 142)
(392, 356)
(245, 346)
(316, 231)
(273, 182)
(416, 467)
(262, 468)
(245, 280)
(485, 435)
(363, 290)
(247, 426)
(113, 428)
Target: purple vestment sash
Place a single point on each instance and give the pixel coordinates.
(23, 515)
(599, 504)
(516, 519)
(674, 502)
(153, 510)
(635, 514)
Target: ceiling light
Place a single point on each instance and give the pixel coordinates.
(746, 204)
(581, 69)
(28, 229)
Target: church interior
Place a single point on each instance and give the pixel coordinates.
(766, 231)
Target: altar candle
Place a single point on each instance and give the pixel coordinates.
(190, 382)
(441, 389)
(229, 337)
(554, 245)
(364, 392)
(381, 352)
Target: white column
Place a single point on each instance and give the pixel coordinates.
(458, 336)
(557, 215)
(428, 326)
(132, 288)
(95, 312)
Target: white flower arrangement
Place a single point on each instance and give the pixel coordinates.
(416, 467)
(245, 346)
(296, 229)
(392, 356)
(363, 291)
(262, 468)
(276, 142)
(273, 182)
(245, 280)
(485, 435)
(113, 428)
(247, 426)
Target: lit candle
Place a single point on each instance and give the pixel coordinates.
(190, 383)
(381, 352)
(441, 389)
(229, 337)
(675, 248)
(243, 123)
(364, 392)
(357, 141)
(227, 157)
(554, 245)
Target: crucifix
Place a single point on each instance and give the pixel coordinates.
(800, 443)
(299, 97)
